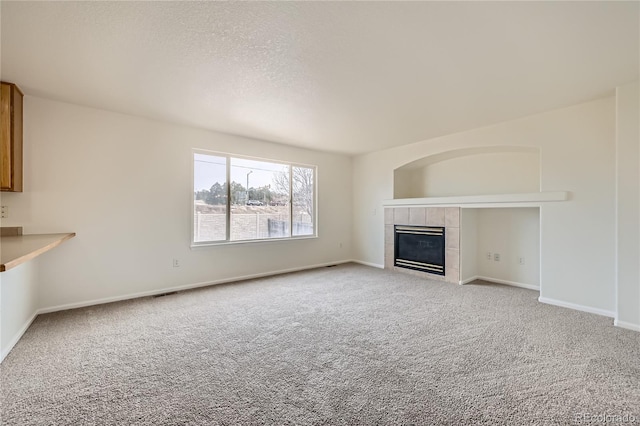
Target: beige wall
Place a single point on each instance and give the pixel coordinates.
(577, 154)
(628, 206)
(123, 184)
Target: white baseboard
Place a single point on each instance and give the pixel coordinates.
(499, 281)
(18, 336)
(468, 280)
(576, 307)
(373, 265)
(627, 325)
(181, 288)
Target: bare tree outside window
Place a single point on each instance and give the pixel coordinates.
(302, 197)
(302, 183)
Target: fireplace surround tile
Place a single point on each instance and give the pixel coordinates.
(388, 261)
(453, 275)
(388, 236)
(417, 216)
(448, 217)
(401, 216)
(435, 216)
(452, 237)
(452, 217)
(452, 260)
(388, 246)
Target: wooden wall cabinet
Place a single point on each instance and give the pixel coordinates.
(10, 137)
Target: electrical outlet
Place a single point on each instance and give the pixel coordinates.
(521, 261)
(5, 212)
(176, 263)
(496, 257)
(488, 255)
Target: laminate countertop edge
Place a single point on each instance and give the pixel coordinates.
(16, 250)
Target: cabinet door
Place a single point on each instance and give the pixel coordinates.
(10, 138)
(5, 136)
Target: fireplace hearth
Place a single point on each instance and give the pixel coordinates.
(421, 248)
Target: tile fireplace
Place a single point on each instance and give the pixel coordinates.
(419, 255)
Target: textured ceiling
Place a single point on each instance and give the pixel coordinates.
(351, 77)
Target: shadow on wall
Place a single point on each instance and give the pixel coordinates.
(470, 171)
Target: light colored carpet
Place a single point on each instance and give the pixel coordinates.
(342, 345)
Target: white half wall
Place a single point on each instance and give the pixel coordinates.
(123, 184)
(628, 205)
(577, 154)
(18, 303)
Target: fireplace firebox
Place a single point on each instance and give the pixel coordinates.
(421, 248)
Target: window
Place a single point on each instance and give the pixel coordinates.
(243, 199)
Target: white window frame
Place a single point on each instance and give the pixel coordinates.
(227, 240)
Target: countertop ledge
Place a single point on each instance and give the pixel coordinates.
(15, 250)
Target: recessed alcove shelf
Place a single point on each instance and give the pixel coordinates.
(532, 199)
(488, 199)
(470, 171)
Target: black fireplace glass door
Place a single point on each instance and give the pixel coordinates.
(421, 248)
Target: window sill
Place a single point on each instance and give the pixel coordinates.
(233, 243)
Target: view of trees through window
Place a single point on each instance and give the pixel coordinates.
(238, 199)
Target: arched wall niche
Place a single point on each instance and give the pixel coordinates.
(470, 171)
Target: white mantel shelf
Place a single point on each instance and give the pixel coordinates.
(530, 199)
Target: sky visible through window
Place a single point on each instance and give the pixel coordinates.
(209, 169)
